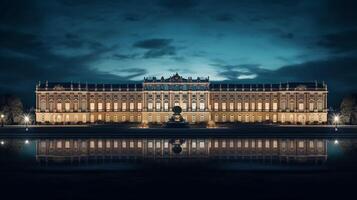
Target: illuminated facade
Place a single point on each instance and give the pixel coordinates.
(200, 100)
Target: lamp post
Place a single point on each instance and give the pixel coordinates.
(336, 120)
(27, 120)
(2, 120)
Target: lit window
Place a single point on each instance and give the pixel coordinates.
(67, 145)
(139, 106)
(275, 144)
(224, 106)
(202, 144)
(246, 106)
(202, 106)
(158, 106)
(166, 144)
(150, 106)
(139, 144)
(131, 106)
(59, 106)
(123, 144)
(246, 144)
(193, 144)
(150, 145)
(216, 144)
(267, 106)
(311, 106)
(107, 145)
(115, 106)
(115, 144)
(59, 144)
(66, 106)
(239, 144)
(100, 144)
(301, 106)
(92, 107)
(100, 106)
(123, 106)
(184, 106)
(231, 144)
(166, 106)
(311, 144)
(131, 144)
(267, 144)
(193, 106)
(91, 144)
(223, 144)
(259, 106)
(301, 144)
(216, 106)
(107, 106)
(275, 106)
(239, 106)
(231, 106)
(259, 144)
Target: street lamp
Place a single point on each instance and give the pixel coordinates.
(27, 120)
(2, 120)
(336, 120)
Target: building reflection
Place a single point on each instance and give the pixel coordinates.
(279, 149)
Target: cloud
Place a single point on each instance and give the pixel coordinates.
(340, 42)
(339, 73)
(178, 5)
(156, 47)
(224, 17)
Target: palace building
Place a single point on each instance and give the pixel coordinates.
(201, 101)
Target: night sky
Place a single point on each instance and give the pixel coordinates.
(247, 41)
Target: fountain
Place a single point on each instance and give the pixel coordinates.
(176, 121)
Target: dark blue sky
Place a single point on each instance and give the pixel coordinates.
(250, 41)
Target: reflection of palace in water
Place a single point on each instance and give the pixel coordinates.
(281, 149)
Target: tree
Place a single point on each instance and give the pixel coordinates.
(11, 106)
(348, 109)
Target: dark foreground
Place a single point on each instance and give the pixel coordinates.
(171, 183)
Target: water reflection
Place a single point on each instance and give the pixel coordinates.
(279, 149)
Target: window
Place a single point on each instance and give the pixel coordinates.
(59, 106)
(301, 144)
(107, 106)
(259, 106)
(158, 106)
(139, 144)
(319, 105)
(43, 106)
(311, 144)
(239, 144)
(115, 144)
(267, 106)
(193, 144)
(123, 144)
(216, 144)
(150, 145)
(246, 106)
(166, 106)
(150, 106)
(275, 106)
(223, 144)
(139, 106)
(239, 106)
(131, 144)
(91, 144)
(267, 144)
(231, 106)
(252, 106)
(275, 144)
(202, 144)
(59, 144)
(224, 106)
(193, 106)
(123, 106)
(216, 106)
(301, 106)
(131, 106)
(107, 145)
(92, 107)
(259, 144)
(66, 106)
(100, 144)
(115, 106)
(100, 106)
(311, 106)
(202, 106)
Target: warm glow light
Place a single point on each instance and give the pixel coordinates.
(26, 142)
(27, 118)
(2, 116)
(336, 118)
(2, 142)
(335, 142)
